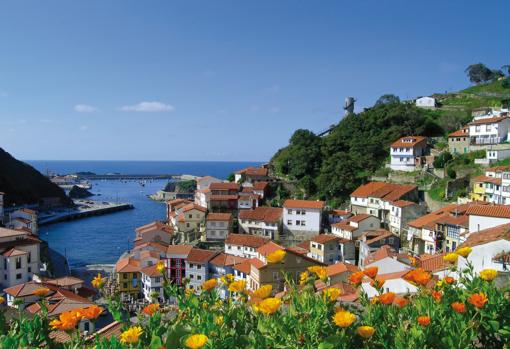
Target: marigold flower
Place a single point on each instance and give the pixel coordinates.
(160, 267)
(219, 320)
(263, 292)
(227, 279)
(92, 312)
(66, 321)
(449, 280)
(437, 296)
(276, 256)
(478, 300)
(374, 300)
(413, 261)
(401, 302)
(131, 335)
(451, 258)
(209, 284)
(98, 281)
(41, 292)
(356, 278)
(303, 277)
(331, 293)
(268, 306)
(464, 251)
(423, 320)
(377, 282)
(418, 276)
(2, 299)
(387, 298)
(459, 307)
(371, 272)
(344, 318)
(319, 271)
(150, 309)
(196, 341)
(366, 331)
(188, 292)
(237, 286)
(488, 274)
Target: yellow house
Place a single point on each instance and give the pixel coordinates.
(128, 276)
(189, 220)
(480, 184)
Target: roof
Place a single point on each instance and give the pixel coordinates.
(253, 171)
(432, 262)
(127, 265)
(376, 235)
(460, 133)
(65, 281)
(4, 232)
(500, 211)
(500, 232)
(260, 185)
(493, 120)
(219, 216)
(151, 271)
(193, 206)
(325, 238)
(339, 268)
(245, 240)
(383, 190)
(155, 226)
(338, 212)
(13, 252)
(380, 253)
(268, 248)
(360, 217)
(224, 186)
(223, 197)
(409, 141)
(227, 260)
(244, 266)
(179, 249)
(498, 168)
(344, 225)
(177, 202)
(488, 179)
(25, 289)
(403, 203)
(303, 204)
(265, 214)
(198, 255)
(432, 217)
(60, 301)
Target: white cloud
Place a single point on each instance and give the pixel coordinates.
(84, 108)
(148, 107)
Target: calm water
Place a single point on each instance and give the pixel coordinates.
(102, 239)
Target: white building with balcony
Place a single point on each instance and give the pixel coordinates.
(487, 131)
(405, 151)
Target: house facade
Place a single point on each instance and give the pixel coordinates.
(326, 248)
(405, 152)
(488, 130)
(218, 226)
(261, 221)
(197, 267)
(458, 141)
(302, 219)
(244, 245)
(356, 225)
(426, 102)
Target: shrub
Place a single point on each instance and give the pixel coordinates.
(451, 173)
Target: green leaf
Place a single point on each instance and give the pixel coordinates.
(330, 342)
(156, 342)
(494, 324)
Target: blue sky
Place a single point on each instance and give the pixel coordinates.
(221, 80)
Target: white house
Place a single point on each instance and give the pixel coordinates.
(426, 102)
(244, 245)
(401, 212)
(393, 282)
(302, 219)
(197, 267)
(405, 151)
(388, 261)
(482, 217)
(486, 131)
(353, 227)
(23, 218)
(247, 201)
(261, 221)
(218, 226)
(152, 283)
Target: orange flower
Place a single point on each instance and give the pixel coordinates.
(449, 280)
(478, 300)
(377, 282)
(424, 320)
(371, 272)
(344, 318)
(387, 298)
(151, 309)
(418, 276)
(262, 292)
(209, 284)
(319, 271)
(401, 302)
(41, 292)
(66, 321)
(437, 295)
(366, 331)
(459, 307)
(92, 312)
(356, 278)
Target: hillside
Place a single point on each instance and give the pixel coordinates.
(22, 184)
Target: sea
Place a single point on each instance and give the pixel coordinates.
(102, 239)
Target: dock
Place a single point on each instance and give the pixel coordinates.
(82, 209)
(132, 177)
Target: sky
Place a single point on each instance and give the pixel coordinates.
(221, 80)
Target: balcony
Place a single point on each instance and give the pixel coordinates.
(485, 140)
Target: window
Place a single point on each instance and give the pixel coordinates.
(158, 279)
(199, 277)
(191, 276)
(191, 265)
(303, 223)
(199, 266)
(275, 275)
(29, 258)
(190, 216)
(18, 276)
(303, 212)
(29, 269)
(18, 263)
(298, 222)
(289, 211)
(477, 128)
(125, 285)
(289, 222)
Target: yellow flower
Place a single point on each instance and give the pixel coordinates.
(366, 331)
(196, 341)
(451, 258)
(276, 257)
(131, 335)
(237, 286)
(41, 292)
(98, 281)
(209, 284)
(188, 292)
(160, 267)
(319, 271)
(464, 251)
(2, 299)
(303, 277)
(344, 318)
(219, 320)
(227, 279)
(488, 274)
(268, 306)
(263, 292)
(332, 293)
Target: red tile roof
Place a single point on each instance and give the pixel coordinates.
(383, 190)
(265, 214)
(151, 271)
(500, 211)
(227, 260)
(340, 268)
(219, 216)
(244, 266)
(155, 226)
(381, 253)
(488, 120)
(325, 238)
(460, 133)
(268, 248)
(179, 249)
(432, 262)
(409, 142)
(127, 265)
(201, 256)
(304, 204)
(376, 235)
(245, 240)
(501, 232)
(403, 203)
(224, 186)
(339, 212)
(223, 197)
(260, 185)
(253, 171)
(487, 179)
(193, 206)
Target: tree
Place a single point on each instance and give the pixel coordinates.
(496, 74)
(387, 99)
(478, 73)
(507, 68)
(231, 177)
(441, 160)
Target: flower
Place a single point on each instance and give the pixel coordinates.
(92, 312)
(451, 258)
(98, 281)
(449, 280)
(437, 296)
(366, 331)
(356, 278)
(268, 306)
(160, 267)
(237, 286)
(151, 309)
(371, 272)
(464, 251)
(41, 292)
(2, 299)
(131, 335)
(66, 321)
(488, 274)
(374, 300)
(478, 300)
(423, 320)
(377, 282)
(276, 256)
(209, 284)
(344, 318)
(459, 307)
(319, 271)
(196, 341)
(332, 293)
(303, 277)
(227, 279)
(387, 298)
(418, 276)
(263, 292)
(401, 302)
(219, 320)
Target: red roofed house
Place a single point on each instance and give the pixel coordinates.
(353, 227)
(156, 231)
(244, 245)
(335, 216)
(175, 262)
(488, 130)
(458, 141)
(198, 268)
(251, 175)
(372, 240)
(387, 260)
(493, 186)
(407, 152)
(188, 221)
(327, 248)
(223, 197)
(302, 219)
(223, 264)
(152, 283)
(23, 218)
(340, 272)
(262, 221)
(127, 272)
(218, 226)
(482, 217)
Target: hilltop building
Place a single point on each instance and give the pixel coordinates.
(458, 141)
(408, 153)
